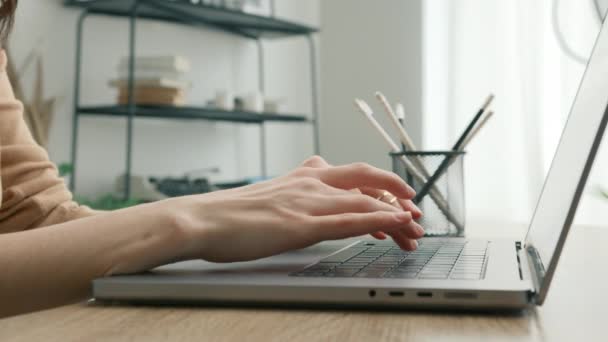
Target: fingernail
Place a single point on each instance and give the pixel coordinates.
(415, 244)
(380, 236)
(420, 230)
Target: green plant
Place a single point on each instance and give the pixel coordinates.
(65, 169)
(108, 202)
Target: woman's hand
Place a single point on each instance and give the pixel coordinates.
(405, 204)
(315, 202)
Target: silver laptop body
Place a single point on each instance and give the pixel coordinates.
(506, 274)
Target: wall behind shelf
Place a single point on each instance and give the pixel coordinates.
(164, 147)
(368, 46)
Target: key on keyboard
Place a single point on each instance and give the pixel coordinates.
(434, 259)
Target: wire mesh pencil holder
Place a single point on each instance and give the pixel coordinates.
(443, 206)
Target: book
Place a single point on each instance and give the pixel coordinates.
(153, 96)
(147, 74)
(158, 82)
(177, 64)
(123, 99)
(154, 91)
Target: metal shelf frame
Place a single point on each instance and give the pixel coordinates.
(191, 113)
(261, 28)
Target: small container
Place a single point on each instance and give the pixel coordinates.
(449, 218)
(254, 102)
(224, 99)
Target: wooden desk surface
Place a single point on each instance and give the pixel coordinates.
(575, 310)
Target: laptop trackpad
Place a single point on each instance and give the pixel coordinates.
(279, 264)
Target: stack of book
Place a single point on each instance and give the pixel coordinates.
(158, 80)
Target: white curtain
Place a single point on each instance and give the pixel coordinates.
(474, 47)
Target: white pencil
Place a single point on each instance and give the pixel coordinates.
(404, 137)
(407, 141)
(366, 110)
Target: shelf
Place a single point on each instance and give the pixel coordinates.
(183, 11)
(191, 113)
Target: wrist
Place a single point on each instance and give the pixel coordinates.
(157, 235)
(190, 222)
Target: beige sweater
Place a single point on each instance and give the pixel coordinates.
(31, 192)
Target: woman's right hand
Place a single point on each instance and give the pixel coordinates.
(307, 206)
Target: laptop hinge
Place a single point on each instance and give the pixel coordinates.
(524, 269)
(536, 268)
(518, 252)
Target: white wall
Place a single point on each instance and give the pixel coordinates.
(164, 147)
(474, 47)
(368, 46)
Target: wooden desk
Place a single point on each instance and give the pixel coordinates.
(576, 310)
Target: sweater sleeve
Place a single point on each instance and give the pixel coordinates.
(32, 194)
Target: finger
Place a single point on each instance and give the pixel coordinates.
(361, 175)
(358, 203)
(410, 231)
(335, 227)
(379, 235)
(322, 205)
(408, 205)
(399, 241)
(376, 193)
(380, 196)
(413, 230)
(403, 242)
(315, 162)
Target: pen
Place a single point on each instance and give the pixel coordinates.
(457, 147)
(400, 112)
(476, 130)
(472, 135)
(367, 112)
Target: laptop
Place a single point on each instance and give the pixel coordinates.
(443, 273)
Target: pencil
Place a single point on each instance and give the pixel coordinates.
(407, 141)
(365, 109)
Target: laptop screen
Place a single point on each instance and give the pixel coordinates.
(571, 165)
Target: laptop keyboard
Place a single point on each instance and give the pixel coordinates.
(435, 258)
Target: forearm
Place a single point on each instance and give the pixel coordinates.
(55, 265)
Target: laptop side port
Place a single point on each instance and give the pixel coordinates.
(396, 293)
(424, 294)
(372, 293)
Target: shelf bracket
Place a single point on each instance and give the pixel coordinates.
(262, 86)
(131, 99)
(76, 100)
(314, 93)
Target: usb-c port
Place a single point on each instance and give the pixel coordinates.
(396, 294)
(425, 294)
